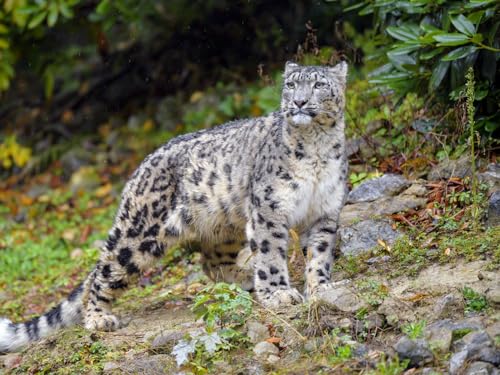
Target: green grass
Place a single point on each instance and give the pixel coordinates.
(474, 302)
(35, 256)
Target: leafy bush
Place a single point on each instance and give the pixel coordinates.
(433, 43)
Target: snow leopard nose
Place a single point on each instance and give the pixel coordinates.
(300, 103)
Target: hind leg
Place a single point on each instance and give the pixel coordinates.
(121, 262)
(230, 261)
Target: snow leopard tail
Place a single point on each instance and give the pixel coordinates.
(67, 313)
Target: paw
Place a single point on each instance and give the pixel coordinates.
(281, 298)
(106, 322)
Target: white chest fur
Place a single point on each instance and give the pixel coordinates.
(320, 191)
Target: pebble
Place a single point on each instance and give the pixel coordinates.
(264, 348)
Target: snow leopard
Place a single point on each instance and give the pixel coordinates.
(238, 190)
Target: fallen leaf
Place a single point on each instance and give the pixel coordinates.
(104, 190)
(274, 340)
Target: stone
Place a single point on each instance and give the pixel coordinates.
(416, 189)
(439, 338)
(494, 209)
(345, 324)
(74, 159)
(76, 253)
(396, 312)
(481, 368)
(361, 237)
(166, 339)
(110, 367)
(474, 346)
(379, 259)
(264, 349)
(449, 306)
(257, 332)
(11, 361)
(353, 213)
(272, 359)
(341, 298)
(494, 331)
(457, 361)
(374, 321)
(85, 178)
(451, 168)
(491, 177)
(416, 351)
(387, 185)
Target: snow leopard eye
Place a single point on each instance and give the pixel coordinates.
(319, 85)
(290, 85)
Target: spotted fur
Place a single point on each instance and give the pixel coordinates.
(237, 189)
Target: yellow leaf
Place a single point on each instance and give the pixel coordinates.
(104, 190)
(196, 96)
(148, 125)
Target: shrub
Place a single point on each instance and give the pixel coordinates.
(432, 43)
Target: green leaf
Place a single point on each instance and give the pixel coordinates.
(451, 39)
(65, 10)
(53, 15)
(37, 20)
(438, 74)
(355, 6)
(463, 25)
(432, 53)
(459, 53)
(404, 48)
(403, 33)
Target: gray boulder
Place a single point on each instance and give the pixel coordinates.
(416, 351)
(387, 185)
(361, 237)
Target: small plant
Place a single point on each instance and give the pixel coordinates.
(390, 366)
(474, 302)
(223, 307)
(414, 330)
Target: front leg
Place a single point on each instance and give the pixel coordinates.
(320, 244)
(268, 239)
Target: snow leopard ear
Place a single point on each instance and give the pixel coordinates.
(339, 71)
(290, 66)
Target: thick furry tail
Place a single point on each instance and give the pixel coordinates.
(67, 313)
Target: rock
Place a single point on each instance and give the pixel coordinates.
(491, 177)
(451, 168)
(396, 311)
(166, 340)
(494, 209)
(264, 349)
(74, 159)
(345, 324)
(272, 359)
(416, 351)
(37, 190)
(374, 321)
(379, 259)
(76, 253)
(439, 337)
(361, 237)
(313, 344)
(352, 213)
(416, 189)
(474, 346)
(11, 361)
(341, 298)
(110, 367)
(449, 306)
(257, 332)
(494, 331)
(457, 361)
(360, 350)
(85, 178)
(387, 185)
(481, 368)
